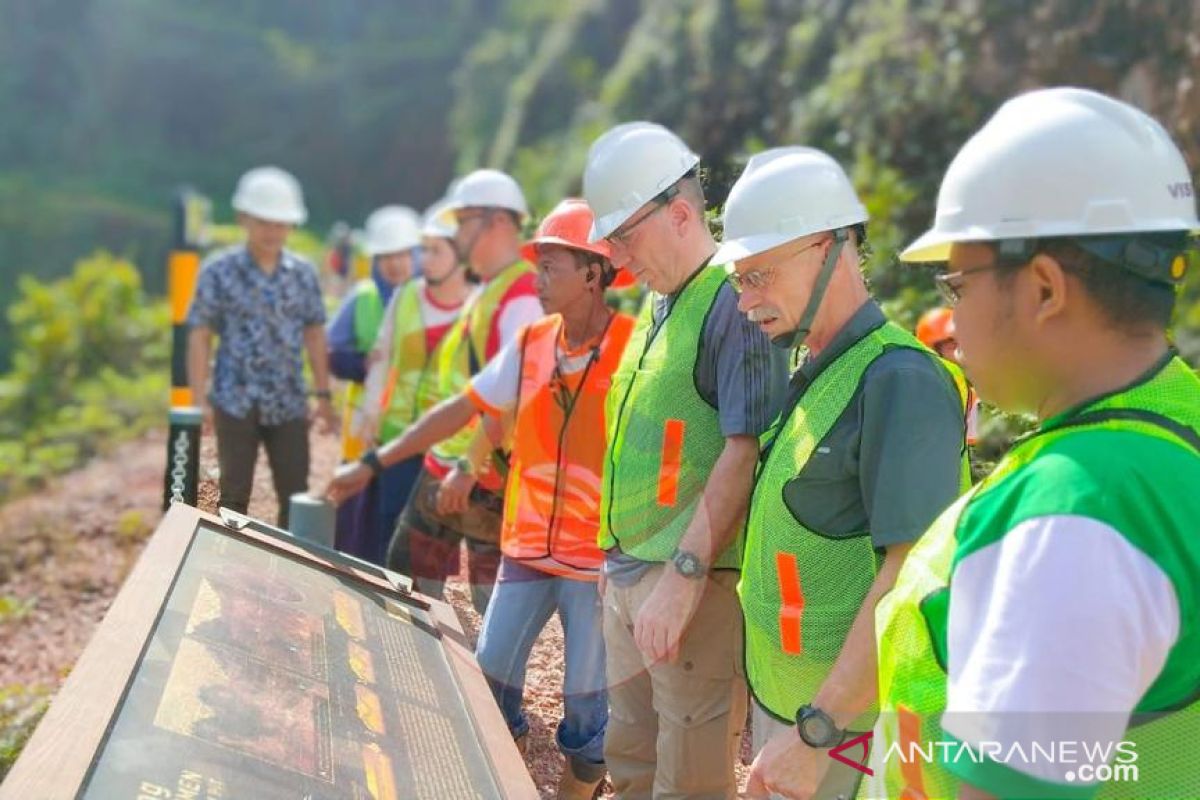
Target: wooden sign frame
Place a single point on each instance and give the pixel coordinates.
(58, 759)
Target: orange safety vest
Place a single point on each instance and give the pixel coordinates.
(552, 500)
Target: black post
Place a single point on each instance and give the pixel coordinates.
(182, 480)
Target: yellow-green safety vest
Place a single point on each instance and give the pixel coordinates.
(663, 436)
(368, 317)
(801, 590)
(464, 348)
(412, 374)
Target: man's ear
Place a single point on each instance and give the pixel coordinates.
(1050, 285)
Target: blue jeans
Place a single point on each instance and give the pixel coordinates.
(522, 603)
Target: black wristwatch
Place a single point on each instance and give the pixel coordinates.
(688, 564)
(371, 459)
(322, 394)
(817, 729)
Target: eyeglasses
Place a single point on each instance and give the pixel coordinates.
(951, 291)
(761, 278)
(661, 201)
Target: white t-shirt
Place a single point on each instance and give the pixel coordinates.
(1055, 633)
(496, 387)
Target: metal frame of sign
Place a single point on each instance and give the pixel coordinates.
(56, 761)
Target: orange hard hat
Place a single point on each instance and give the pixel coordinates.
(935, 326)
(568, 225)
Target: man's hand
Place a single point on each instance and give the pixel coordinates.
(787, 767)
(454, 492)
(664, 617)
(325, 416)
(349, 480)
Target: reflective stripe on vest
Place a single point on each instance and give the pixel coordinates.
(801, 590)
(368, 316)
(464, 349)
(910, 621)
(411, 387)
(664, 437)
(552, 500)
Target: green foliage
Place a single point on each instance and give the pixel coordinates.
(91, 368)
(21, 708)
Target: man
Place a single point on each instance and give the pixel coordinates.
(935, 329)
(392, 235)
(697, 385)
(402, 380)
(553, 379)
(1051, 613)
(265, 305)
(446, 505)
(867, 452)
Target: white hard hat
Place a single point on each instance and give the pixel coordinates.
(438, 223)
(784, 194)
(1060, 162)
(627, 167)
(391, 229)
(487, 188)
(271, 194)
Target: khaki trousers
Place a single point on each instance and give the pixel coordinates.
(841, 781)
(674, 730)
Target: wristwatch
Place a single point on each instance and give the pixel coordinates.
(323, 394)
(817, 729)
(688, 564)
(371, 459)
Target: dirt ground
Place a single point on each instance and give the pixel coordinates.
(65, 551)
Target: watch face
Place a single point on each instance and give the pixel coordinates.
(688, 564)
(817, 729)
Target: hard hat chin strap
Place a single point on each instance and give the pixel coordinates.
(795, 338)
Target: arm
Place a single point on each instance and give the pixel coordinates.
(787, 765)
(851, 686)
(438, 423)
(722, 507)
(198, 353)
(666, 614)
(315, 346)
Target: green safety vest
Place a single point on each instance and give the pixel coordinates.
(1155, 425)
(801, 590)
(663, 436)
(411, 383)
(368, 316)
(463, 350)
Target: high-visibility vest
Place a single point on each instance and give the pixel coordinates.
(552, 499)
(801, 590)
(464, 349)
(368, 316)
(664, 437)
(1158, 516)
(411, 387)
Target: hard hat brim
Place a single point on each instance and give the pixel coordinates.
(296, 218)
(748, 246)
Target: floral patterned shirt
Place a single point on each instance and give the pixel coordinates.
(260, 319)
